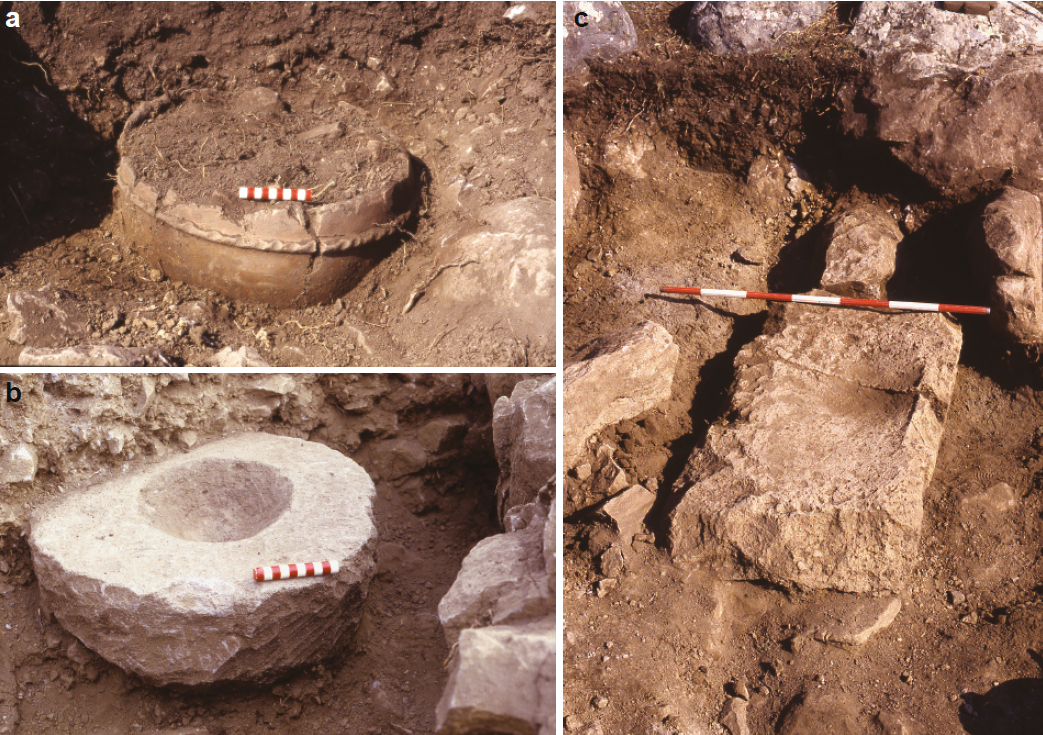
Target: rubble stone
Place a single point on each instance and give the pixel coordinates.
(524, 434)
(862, 251)
(501, 679)
(733, 716)
(744, 27)
(817, 479)
(616, 377)
(952, 95)
(153, 570)
(502, 580)
(40, 318)
(92, 356)
(626, 512)
(608, 33)
(1013, 229)
(18, 463)
(857, 620)
(243, 357)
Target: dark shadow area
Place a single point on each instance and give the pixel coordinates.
(678, 19)
(708, 406)
(801, 262)
(56, 167)
(1013, 707)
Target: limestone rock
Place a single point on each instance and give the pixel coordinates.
(855, 621)
(243, 357)
(817, 479)
(605, 479)
(733, 716)
(498, 272)
(153, 570)
(862, 251)
(626, 512)
(744, 27)
(1013, 230)
(525, 437)
(93, 356)
(821, 713)
(44, 317)
(617, 377)
(952, 95)
(18, 463)
(502, 580)
(502, 680)
(608, 33)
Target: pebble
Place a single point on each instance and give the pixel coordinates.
(599, 702)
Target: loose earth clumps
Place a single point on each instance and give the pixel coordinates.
(154, 570)
(184, 160)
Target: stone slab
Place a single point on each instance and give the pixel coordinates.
(745, 27)
(525, 439)
(1013, 230)
(816, 476)
(862, 251)
(501, 680)
(154, 570)
(616, 377)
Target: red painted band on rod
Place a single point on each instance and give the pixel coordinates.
(292, 571)
(828, 300)
(257, 192)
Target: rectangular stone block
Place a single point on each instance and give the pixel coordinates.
(816, 476)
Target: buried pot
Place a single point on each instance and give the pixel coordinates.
(183, 162)
(154, 570)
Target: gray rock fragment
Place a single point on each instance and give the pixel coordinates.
(525, 438)
(1013, 228)
(626, 512)
(607, 34)
(733, 716)
(501, 679)
(43, 317)
(617, 377)
(744, 27)
(862, 251)
(92, 356)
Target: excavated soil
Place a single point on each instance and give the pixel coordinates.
(666, 138)
(386, 680)
(469, 92)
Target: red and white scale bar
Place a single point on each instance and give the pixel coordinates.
(286, 195)
(292, 571)
(828, 300)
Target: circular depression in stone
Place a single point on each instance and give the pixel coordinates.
(182, 162)
(153, 568)
(215, 500)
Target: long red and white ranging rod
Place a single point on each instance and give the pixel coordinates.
(292, 195)
(828, 300)
(292, 571)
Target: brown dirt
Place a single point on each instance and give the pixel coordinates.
(470, 94)
(386, 681)
(657, 653)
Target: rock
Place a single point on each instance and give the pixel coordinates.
(860, 259)
(524, 435)
(994, 558)
(1013, 232)
(607, 478)
(818, 478)
(18, 462)
(93, 356)
(940, 81)
(611, 562)
(857, 619)
(616, 377)
(766, 180)
(45, 317)
(501, 679)
(243, 357)
(821, 713)
(626, 512)
(550, 547)
(608, 34)
(733, 716)
(153, 570)
(622, 156)
(924, 41)
(442, 434)
(888, 723)
(499, 272)
(744, 27)
(502, 580)
(502, 384)
(522, 516)
(571, 183)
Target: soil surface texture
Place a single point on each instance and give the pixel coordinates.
(668, 140)
(469, 92)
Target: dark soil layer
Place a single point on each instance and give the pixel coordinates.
(665, 138)
(470, 94)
